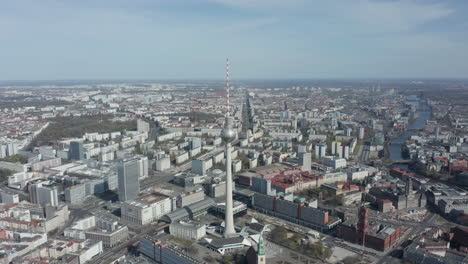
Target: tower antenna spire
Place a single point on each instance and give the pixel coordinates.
(227, 87)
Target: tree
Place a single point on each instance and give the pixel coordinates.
(209, 259)
(239, 259)
(76, 127)
(19, 102)
(328, 252)
(405, 152)
(4, 173)
(192, 250)
(317, 249)
(352, 260)
(407, 261)
(293, 255)
(172, 157)
(339, 200)
(226, 259)
(279, 235)
(310, 193)
(16, 158)
(245, 162)
(138, 150)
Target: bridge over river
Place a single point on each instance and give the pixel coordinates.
(401, 161)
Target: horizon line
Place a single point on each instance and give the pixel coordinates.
(243, 79)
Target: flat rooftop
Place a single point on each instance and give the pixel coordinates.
(150, 198)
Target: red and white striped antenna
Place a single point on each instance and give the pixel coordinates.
(227, 86)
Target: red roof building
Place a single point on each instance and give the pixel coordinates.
(294, 180)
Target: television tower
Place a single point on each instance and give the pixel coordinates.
(228, 134)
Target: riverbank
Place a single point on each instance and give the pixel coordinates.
(393, 147)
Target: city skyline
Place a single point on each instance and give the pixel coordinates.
(148, 40)
(335, 171)
(233, 131)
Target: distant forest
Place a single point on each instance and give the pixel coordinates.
(11, 103)
(69, 127)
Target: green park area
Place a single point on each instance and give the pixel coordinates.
(72, 127)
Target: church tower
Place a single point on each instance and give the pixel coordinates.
(261, 256)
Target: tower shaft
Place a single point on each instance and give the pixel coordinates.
(229, 217)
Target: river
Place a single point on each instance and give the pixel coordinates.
(424, 113)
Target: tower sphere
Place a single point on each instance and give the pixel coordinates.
(228, 132)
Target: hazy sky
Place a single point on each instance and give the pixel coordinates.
(157, 39)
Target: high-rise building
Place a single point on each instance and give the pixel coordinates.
(335, 146)
(75, 193)
(305, 160)
(3, 151)
(301, 148)
(339, 150)
(76, 150)
(294, 123)
(361, 132)
(12, 149)
(143, 126)
(262, 186)
(143, 161)
(334, 122)
(8, 198)
(320, 150)
(128, 172)
(43, 193)
(162, 163)
(345, 152)
(200, 166)
(195, 143)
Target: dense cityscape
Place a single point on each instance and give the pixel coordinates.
(286, 172)
(234, 132)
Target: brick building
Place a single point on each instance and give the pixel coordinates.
(374, 235)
